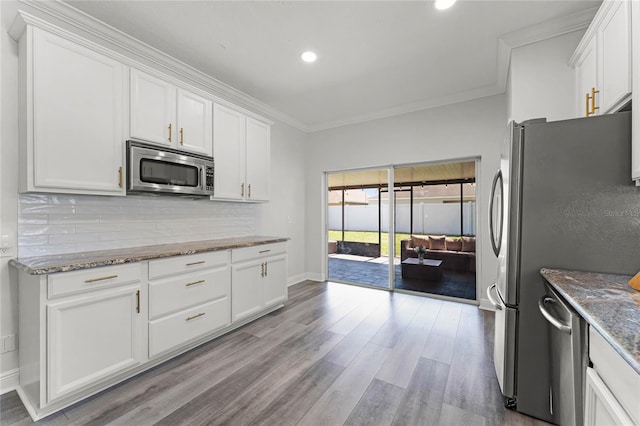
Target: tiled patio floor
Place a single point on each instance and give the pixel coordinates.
(374, 272)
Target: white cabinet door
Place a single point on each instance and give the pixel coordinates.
(258, 160)
(587, 78)
(153, 104)
(76, 136)
(601, 407)
(194, 123)
(615, 39)
(246, 291)
(92, 338)
(275, 281)
(229, 153)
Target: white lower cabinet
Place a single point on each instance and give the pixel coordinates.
(92, 337)
(184, 306)
(79, 330)
(601, 407)
(83, 331)
(612, 386)
(259, 279)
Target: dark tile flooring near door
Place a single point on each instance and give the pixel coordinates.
(335, 354)
(454, 284)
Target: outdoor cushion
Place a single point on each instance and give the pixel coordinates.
(419, 241)
(437, 243)
(469, 244)
(453, 244)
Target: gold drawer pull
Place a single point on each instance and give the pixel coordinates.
(249, 194)
(194, 283)
(181, 136)
(196, 263)
(264, 251)
(170, 131)
(195, 316)
(120, 177)
(93, 280)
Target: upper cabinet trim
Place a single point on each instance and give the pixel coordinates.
(80, 27)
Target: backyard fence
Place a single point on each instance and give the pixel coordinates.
(428, 218)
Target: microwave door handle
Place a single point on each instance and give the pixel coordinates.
(203, 177)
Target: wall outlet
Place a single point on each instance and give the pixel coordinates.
(8, 343)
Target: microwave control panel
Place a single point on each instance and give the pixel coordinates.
(209, 179)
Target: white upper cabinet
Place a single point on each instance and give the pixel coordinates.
(258, 160)
(241, 151)
(229, 153)
(165, 114)
(152, 108)
(603, 61)
(71, 116)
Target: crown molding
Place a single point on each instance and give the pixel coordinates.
(506, 43)
(142, 52)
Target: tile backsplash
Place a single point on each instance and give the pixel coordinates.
(57, 223)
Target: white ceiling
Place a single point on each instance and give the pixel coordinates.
(376, 58)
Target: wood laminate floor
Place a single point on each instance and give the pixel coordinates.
(335, 354)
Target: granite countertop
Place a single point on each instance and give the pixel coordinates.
(40, 265)
(607, 303)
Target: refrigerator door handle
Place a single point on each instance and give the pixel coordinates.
(496, 242)
(552, 320)
(493, 301)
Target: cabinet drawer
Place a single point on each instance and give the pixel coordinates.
(194, 262)
(180, 292)
(256, 252)
(66, 283)
(616, 373)
(184, 326)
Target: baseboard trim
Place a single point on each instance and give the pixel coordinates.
(9, 380)
(486, 305)
(296, 279)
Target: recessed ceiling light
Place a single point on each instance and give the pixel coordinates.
(444, 4)
(309, 56)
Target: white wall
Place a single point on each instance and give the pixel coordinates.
(464, 130)
(541, 82)
(9, 184)
(109, 222)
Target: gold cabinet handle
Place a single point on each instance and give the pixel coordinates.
(120, 177)
(170, 131)
(262, 269)
(181, 136)
(242, 190)
(593, 100)
(195, 316)
(586, 101)
(93, 280)
(196, 263)
(194, 283)
(266, 268)
(264, 251)
(249, 194)
(138, 301)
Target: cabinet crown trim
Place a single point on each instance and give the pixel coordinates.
(150, 58)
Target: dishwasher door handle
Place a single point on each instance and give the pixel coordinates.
(493, 301)
(552, 320)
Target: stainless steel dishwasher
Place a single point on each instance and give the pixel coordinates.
(568, 358)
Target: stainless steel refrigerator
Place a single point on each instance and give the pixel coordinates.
(563, 198)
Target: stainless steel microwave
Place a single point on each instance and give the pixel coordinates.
(153, 169)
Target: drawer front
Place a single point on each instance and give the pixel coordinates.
(616, 373)
(179, 292)
(180, 328)
(65, 283)
(193, 262)
(256, 252)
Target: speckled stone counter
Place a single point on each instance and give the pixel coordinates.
(40, 265)
(607, 303)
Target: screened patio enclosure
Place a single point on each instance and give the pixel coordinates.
(435, 200)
